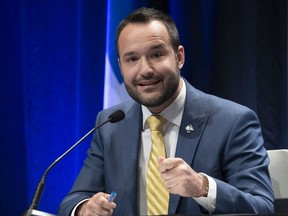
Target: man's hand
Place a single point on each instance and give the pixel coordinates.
(180, 178)
(97, 205)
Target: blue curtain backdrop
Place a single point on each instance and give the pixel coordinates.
(52, 75)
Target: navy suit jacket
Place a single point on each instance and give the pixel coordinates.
(226, 144)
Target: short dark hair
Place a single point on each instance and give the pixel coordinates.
(145, 15)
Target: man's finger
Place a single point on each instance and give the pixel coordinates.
(168, 163)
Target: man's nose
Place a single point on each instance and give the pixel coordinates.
(146, 67)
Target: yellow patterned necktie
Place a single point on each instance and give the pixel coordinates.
(157, 195)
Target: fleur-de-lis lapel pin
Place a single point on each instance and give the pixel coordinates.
(189, 129)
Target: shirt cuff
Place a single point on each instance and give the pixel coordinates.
(208, 202)
(74, 209)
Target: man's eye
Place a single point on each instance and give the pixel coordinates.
(157, 55)
(132, 59)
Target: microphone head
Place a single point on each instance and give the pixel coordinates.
(116, 116)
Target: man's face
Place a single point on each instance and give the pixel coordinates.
(149, 65)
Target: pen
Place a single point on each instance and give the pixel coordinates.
(112, 196)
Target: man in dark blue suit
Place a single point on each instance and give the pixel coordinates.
(215, 163)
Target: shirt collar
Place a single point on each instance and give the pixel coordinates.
(173, 113)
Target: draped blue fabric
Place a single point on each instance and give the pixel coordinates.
(52, 75)
(52, 65)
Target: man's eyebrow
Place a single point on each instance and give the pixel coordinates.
(158, 46)
(128, 54)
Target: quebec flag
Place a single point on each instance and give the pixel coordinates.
(114, 89)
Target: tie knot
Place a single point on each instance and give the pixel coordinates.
(156, 122)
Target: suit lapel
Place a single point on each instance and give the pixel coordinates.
(193, 124)
(188, 141)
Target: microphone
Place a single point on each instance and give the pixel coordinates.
(32, 211)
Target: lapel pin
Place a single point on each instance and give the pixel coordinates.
(189, 129)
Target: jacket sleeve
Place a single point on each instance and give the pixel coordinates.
(246, 185)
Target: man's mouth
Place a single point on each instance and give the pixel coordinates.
(148, 82)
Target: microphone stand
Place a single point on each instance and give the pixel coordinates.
(32, 211)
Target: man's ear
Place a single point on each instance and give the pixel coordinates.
(180, 56)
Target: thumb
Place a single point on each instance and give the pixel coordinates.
(160, 159)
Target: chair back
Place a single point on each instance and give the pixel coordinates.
(278, 169)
